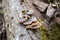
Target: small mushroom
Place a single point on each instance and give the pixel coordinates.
(36, 25)
(29, 8)
(31, 11)
(26, 16)
(33, 25)
(22, 20)
(29, 26)
(32, 19)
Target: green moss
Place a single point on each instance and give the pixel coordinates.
(43, 35)
(42, 31)
(53, 34)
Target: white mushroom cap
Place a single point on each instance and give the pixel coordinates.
(32, 19)
(21, 20)
(27, 16)
(31, 11)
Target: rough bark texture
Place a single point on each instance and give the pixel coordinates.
(15, 31)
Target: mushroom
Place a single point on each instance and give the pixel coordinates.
(33, 25)
(31, 11)
(36, 26)
(29, 8)
(29, 26)
(32, 19)
(22, 20)
(26, 16)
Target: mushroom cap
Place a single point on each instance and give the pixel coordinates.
(31, 11)
(22, 20)
(27, 16)
(32, 19)
(34, 25)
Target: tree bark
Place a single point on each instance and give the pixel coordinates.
(15, 31)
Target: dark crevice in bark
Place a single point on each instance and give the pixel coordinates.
(29, 35)
(3, 35)
(33, 32)
(37, 31)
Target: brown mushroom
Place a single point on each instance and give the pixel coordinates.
(36, 25)
(26, 16)
(33, 25)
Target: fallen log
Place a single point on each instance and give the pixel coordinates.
(15, 31)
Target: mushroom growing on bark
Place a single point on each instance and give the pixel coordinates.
(22, 20)
(34, 25)
(29, 21)
(32, 19)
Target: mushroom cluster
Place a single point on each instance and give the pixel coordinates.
(29, 21)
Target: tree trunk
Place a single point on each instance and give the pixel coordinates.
(16, 31)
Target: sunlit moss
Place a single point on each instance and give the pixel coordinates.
(42, 33)
(55, 32)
